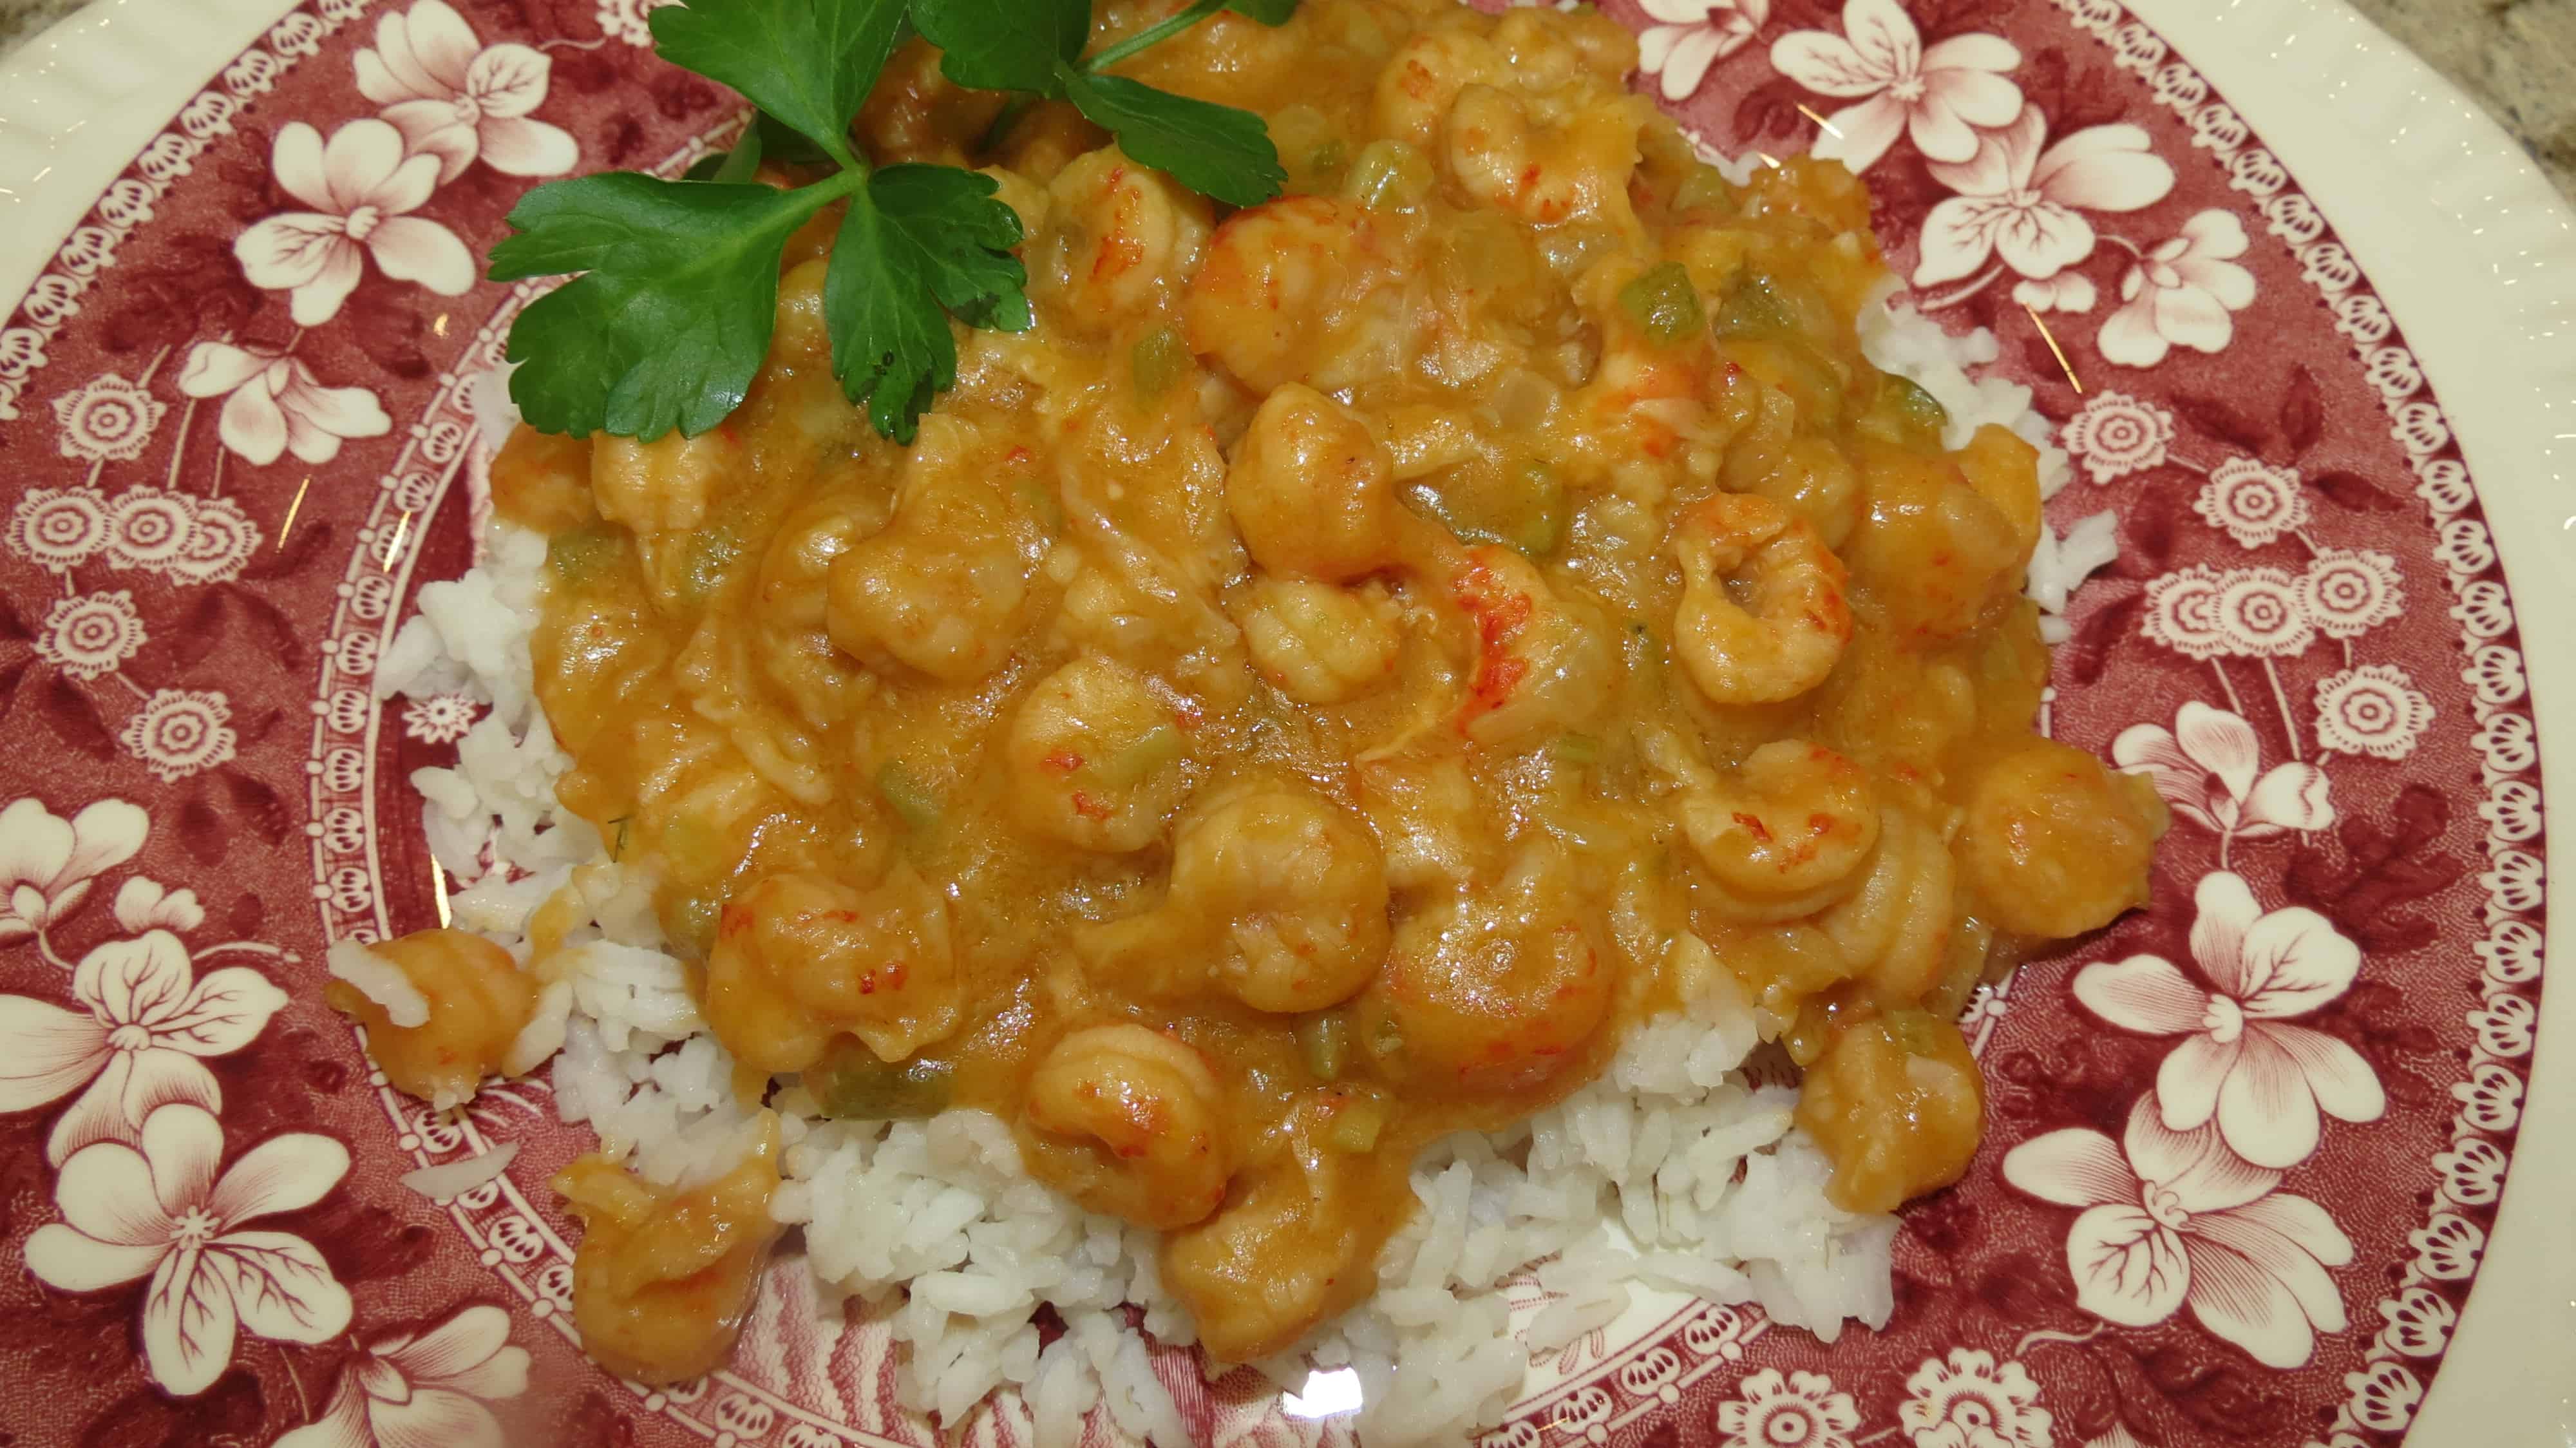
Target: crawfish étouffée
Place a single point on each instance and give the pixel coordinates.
(1287, 705)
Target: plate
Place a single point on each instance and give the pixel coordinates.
(2290, 300)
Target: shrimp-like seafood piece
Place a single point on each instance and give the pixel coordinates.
(1785, 833)
(1121, 239)
(1894, 927)
(468, 1002)
(1544, 662)
(1544, 174)
(1897, 1105)
(1435, 831)
(1297, 888)
(541, 481)
(802, 959)
(1130, 1122)
(942, 589)
(1787, 639)
(1096, 757)
(1421, 83)
(1491, 991)
(1312, 491)
(1318, 644)
(1645, 396)
(2055, 844)
(1279, 280)
(1291, 1247)
(1278, 896)
(664, 1278)
(662, 486)
(1933, 557)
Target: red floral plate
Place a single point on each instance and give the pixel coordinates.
(2249, 1150)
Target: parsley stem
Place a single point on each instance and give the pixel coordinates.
(1152, 35)
(1014, 108)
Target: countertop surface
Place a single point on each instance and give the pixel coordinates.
(2518, 57)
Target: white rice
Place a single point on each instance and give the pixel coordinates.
(449, 1180)
(1674, 1175)
(379, 980)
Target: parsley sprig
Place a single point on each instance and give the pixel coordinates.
(669, 319)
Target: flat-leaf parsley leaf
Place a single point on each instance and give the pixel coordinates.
(669, 318)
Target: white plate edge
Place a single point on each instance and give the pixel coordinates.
(2424, 188)
(78, 102)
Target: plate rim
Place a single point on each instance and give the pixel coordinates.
(2478, 263)
(2360, 120)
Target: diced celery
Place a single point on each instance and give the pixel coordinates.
(580, 555)
(1388, 175)
(1916, 405)
(1753, 308)
(1386, 1038)
(1704, 189)
(1664, 304)
(1578, 749)
(711, 552)
(1160, 360)
(1136, 760)
(854, 1085)
(1357, 1124)
(908, 796)
(1326, 1041)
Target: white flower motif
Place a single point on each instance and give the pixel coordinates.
(440, 718)
(625, 19)
(2491, 1099)
(1801, 1410)
(2257, 611)
(150, 1022)
(425, 1389)
(180, 732)
(453, 98)
(1971, 1401)
(2348, 592)
(2117, 435)
(2384, 1395)
(106, 419)
(221, 540)
(2172, 1219)
(59, 528)
(2374, 709)
(1938, 95)
(2206, 768)
(2262, 1081)
(2182, 612)
(91, 634)
(1694, 35)
(2096, 16)
(147, 528)
(2512, 952)
(2508, 743)
(2419, 1322)
(163, 1213)
(143, 904)
(362, 188)
(47, 863)
(2064, 292)
(2251, 503)
(2182, 292)
(273, 405)
(2118, 1436)
(2447, 1247)
(2025, 206)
